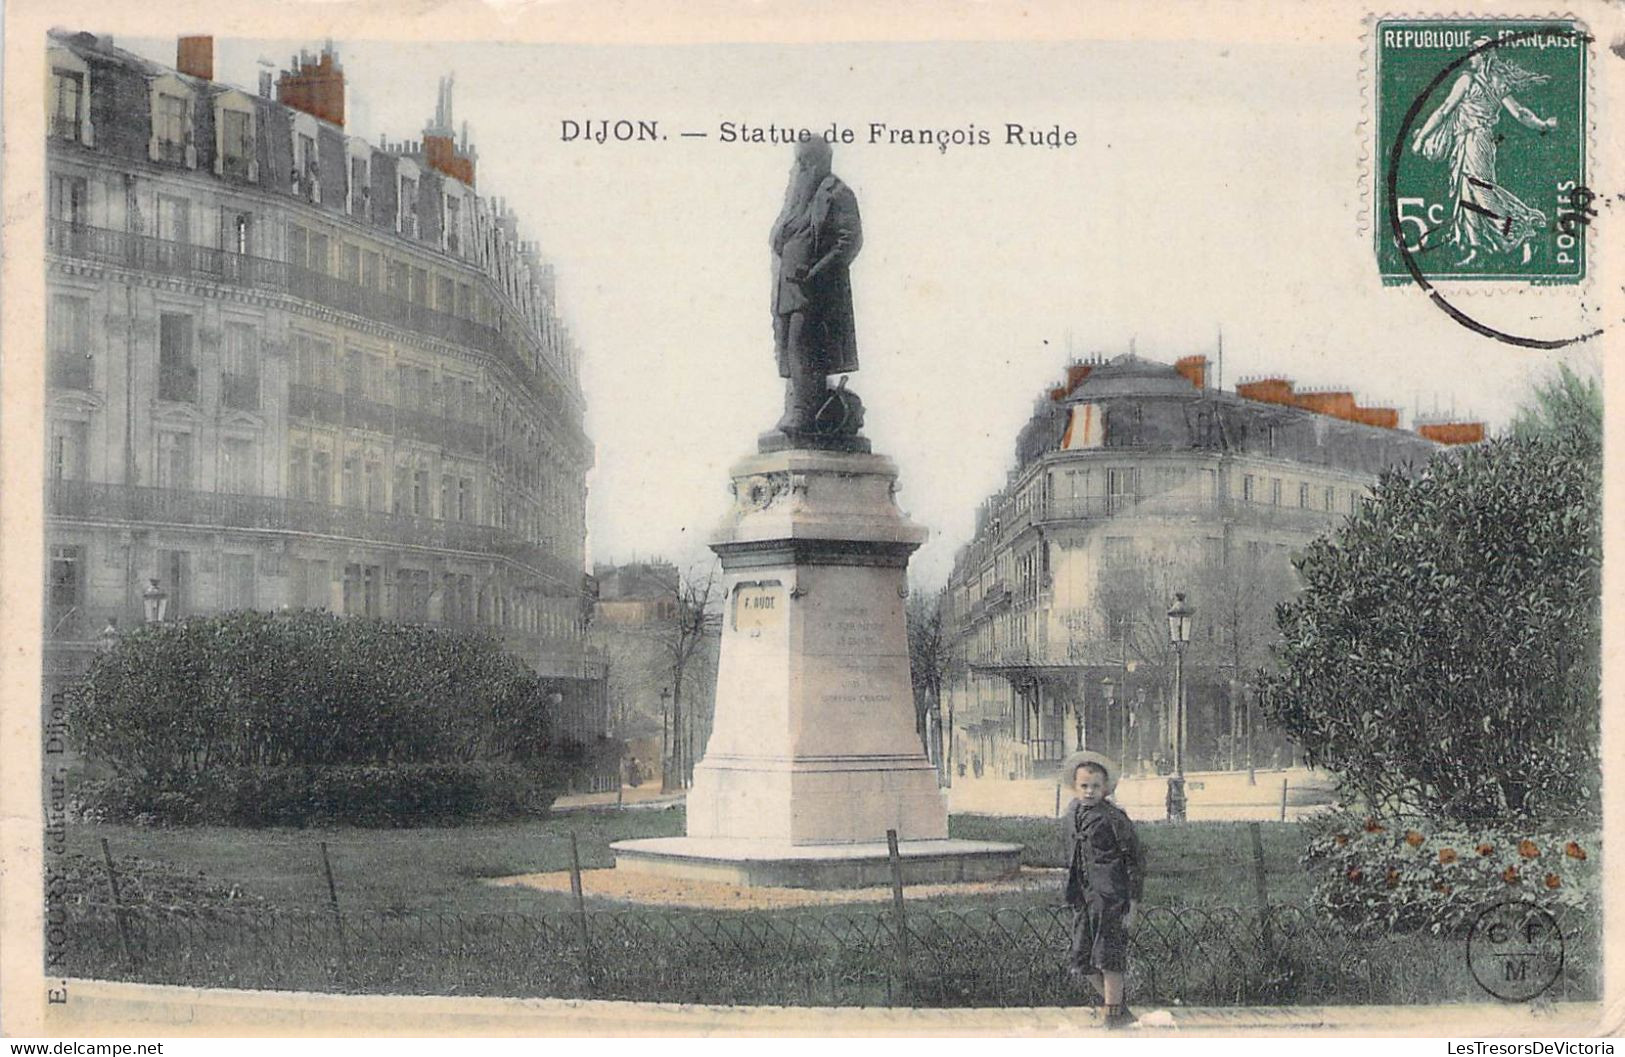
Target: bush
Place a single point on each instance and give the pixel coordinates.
(363, 795)
(1388, 875)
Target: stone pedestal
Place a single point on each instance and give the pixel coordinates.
(813, 753)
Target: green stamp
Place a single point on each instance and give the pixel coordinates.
(1481, 160)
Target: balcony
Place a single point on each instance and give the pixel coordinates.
(64, 126)
(358, 412)
(95, 501)
(510, 343)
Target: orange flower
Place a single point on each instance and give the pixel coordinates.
(1354, 874)
(1553, 881)
(1574, 851)
(1343, 838)
(1486, 849)
(1392, 878)
(1510, 875)
(1442, 888)
(1528, 849)
(1413, 838)
(1447, 856)
(1373, 826)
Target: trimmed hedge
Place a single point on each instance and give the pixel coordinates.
(381, 795)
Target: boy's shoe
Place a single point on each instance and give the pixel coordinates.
(1119, 1016)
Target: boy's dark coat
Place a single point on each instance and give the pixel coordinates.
(1103, 854)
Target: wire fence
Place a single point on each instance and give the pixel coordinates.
(984, 957)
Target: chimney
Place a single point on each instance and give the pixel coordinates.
(1193, 369)
(1267, 391)
(1452, 432)
(314, 86)
(194, 56)
(266, 81)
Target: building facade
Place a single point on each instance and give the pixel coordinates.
(291, 368)
(1136, 480)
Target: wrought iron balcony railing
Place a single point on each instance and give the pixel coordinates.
(163, 256)
(97, 501)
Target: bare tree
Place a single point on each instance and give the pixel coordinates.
(930, 655)
(688, 617)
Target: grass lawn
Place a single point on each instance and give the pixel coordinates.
(444, 869)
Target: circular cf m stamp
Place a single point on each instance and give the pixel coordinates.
(1515, 950)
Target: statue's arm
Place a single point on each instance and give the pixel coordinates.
(1526, 116)
(847, 231)
(1457, 91)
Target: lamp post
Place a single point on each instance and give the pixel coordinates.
(1108, 691)
(665, 739)
(1179, 634)
(154, 602)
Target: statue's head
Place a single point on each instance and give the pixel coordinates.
(814, 156)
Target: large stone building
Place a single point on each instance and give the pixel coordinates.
(1136, 480)
(291, 368)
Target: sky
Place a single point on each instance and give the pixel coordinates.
(1210, 189)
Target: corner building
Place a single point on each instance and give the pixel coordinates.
(291, 368)
(1137, 467)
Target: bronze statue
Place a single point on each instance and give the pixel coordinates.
(814, 240)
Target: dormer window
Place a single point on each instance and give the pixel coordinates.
(303, 180)
(68, 105)
(235, 155)
(409, 207)
(360, 187)
(171, 140)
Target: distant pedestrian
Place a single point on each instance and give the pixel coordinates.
(1105, 880)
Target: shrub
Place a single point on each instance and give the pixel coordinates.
(364, 795)
(1404, 874)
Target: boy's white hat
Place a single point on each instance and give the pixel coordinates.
(1069, 767)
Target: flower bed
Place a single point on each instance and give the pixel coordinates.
(1398, 875)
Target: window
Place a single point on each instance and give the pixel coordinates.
(239, 466)
(1275, 491)
(239, 234)
(299, 472)
(1212, 552)
(66, 590)
(400, 281)
(317, 260)
(174, 219)
(307, 248)
(177, 376)
(68, 198)
(68, 341)
(237, 144)
(240, 367)
(453, 227)
(375, 485)
(1247, 488)
(68, 450)
(1120, 489)
(1329, 500)
(175, 578)
(407, 221)
(236, 581)
(420, 493)
(313, 362)
(420, 286)
(369, 269)
(445, 296)
(360, 188)
(1303, 495)
(363, 588)
(412, 586)
(174, 460)
(308, 589)
(448, 495)
(321, 476)
(465, 499)
(172, 128)
(67, 103)
(1354, 501)
(351, 263)
(351, 481)
(305, 168)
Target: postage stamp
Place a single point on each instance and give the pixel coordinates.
(1481, 148)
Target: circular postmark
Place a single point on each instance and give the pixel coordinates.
(1515, 950)
(1575, 215)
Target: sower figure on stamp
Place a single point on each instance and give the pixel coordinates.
(1105, 880)
(814, 239)
(1484, 215)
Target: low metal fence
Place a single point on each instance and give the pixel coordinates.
(981, 957)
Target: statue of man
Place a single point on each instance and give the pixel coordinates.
(814, 240)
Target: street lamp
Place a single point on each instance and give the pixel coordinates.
(665, 739)
(1179, 634)
(155, 602)
(1108, 691)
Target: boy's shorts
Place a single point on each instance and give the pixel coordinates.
(1099, 936)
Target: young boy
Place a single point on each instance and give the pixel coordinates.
(1104, 881)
